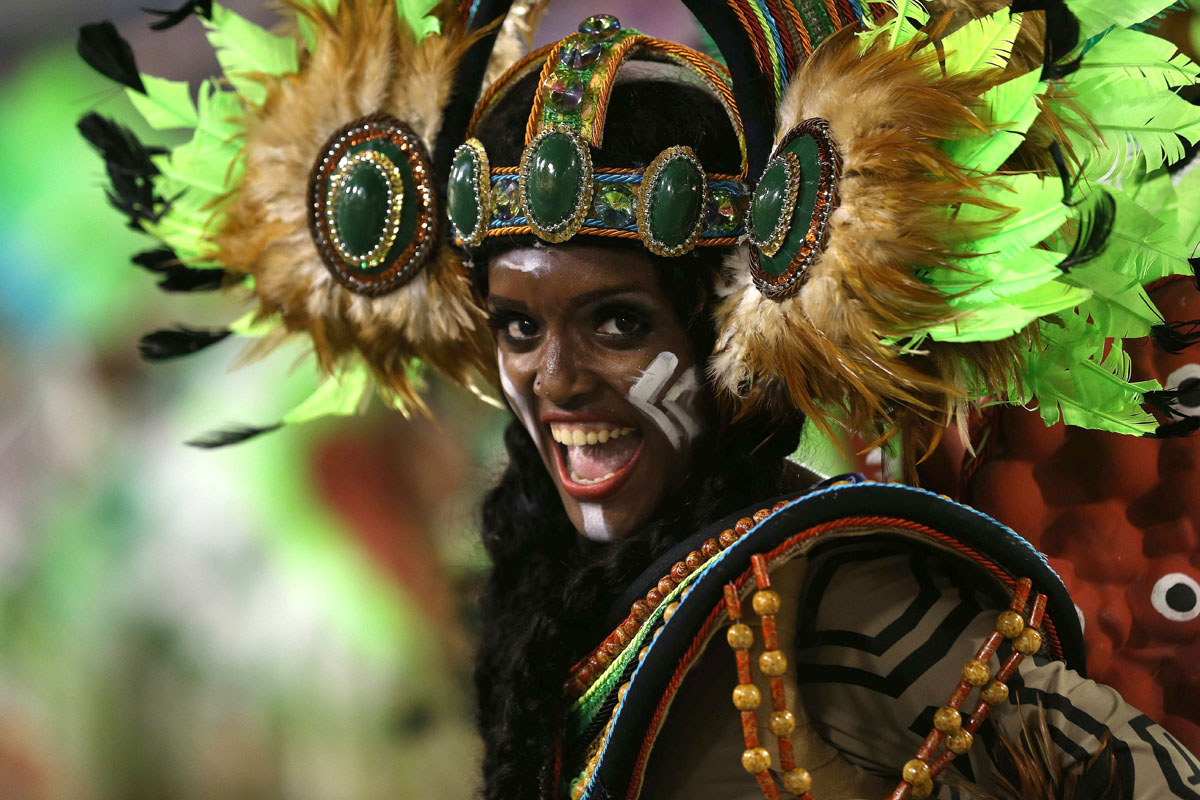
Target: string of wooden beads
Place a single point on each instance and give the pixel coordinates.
(593, 666)
(918, 774)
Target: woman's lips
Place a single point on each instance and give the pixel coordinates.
(618, 449)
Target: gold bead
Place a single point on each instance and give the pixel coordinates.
(976, 672)
(922, 789)
(959, 742)
(797, 781)
(1010, 624)
(773, 663)
(756, 760)
(782, 723)
(669, 611)
(766, 601)
(1029, 642)
(739, 636)
(622, 690)
(577, 789)
(746, 696)
(642, 652)
(994, 694)
(947, 719)
(915, 771)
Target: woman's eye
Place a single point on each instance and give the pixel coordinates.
(521, 328)
(620, 325)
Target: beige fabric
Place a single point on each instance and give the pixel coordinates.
(698, 752)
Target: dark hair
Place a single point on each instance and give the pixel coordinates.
(550, 589)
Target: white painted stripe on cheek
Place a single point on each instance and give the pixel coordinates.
(681, 403)
(595, 526)
(519, 404)
(646, 390)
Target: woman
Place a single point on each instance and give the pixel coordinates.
(916, 243)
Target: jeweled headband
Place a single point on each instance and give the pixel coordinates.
(672, 205)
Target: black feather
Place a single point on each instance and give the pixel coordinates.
(1062, 36)
(131, 171)
(176, 342)
(1175, 337)
(177, 276)
(1095, 228)
(1177, 429)
(103, 49)
(1194, 263)
(231, 435)
(171, 18)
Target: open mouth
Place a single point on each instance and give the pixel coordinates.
(594, 458)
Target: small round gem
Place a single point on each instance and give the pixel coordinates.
(782, 723)
(579, 55)
(1010, 624)
(721, 214)
(1029, 642)
(669, 611)
(615, 204)
(959, 742)
(922, 790)
(600, 25)
(976, 672)
(564, 92)
(947, 719)
(994, 694)
(756, 760)
(766, 601)
(773, 663)
(739, 636)
(504, 199)
(746, 697)
(797, 781)
(915, 771)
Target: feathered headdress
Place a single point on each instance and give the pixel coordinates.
(308, 182)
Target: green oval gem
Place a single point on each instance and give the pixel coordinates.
(676, 201)
(461, 197)
(552, 182)
(361, 210)
(769, 199)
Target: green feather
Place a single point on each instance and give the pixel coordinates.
(1009, 110)
(415, 14)
(244, 50)
(1097, 16)
(166, 104)
(982, 43)
(999, 320)
(1142, 56)
(338, 395)
(995, 279)
(250, 326)
(1039, 213)
(898, 29)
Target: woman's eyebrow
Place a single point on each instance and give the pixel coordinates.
(506, 303)
(608, 291)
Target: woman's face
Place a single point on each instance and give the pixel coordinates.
(600, 370)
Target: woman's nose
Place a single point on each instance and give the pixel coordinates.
(561, 378)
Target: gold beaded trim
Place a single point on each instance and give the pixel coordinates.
(918, 775)
(773, 663)
(791, 170)
(395, 203)
(564, 229)
(482, 189)
(646, 193)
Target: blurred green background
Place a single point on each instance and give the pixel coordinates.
(288, 618)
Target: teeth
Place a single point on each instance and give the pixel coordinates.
(578, 437)
(576, 478)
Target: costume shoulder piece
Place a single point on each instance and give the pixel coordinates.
(912, 622)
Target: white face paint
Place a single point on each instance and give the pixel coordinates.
(595, 526)
(519, 404)
(675, 409)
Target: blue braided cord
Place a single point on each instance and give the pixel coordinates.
(737, 187)
(471, 14)
(858, 9)
(592, 222)
(512, 222)
(619, 177)
(766, 12)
